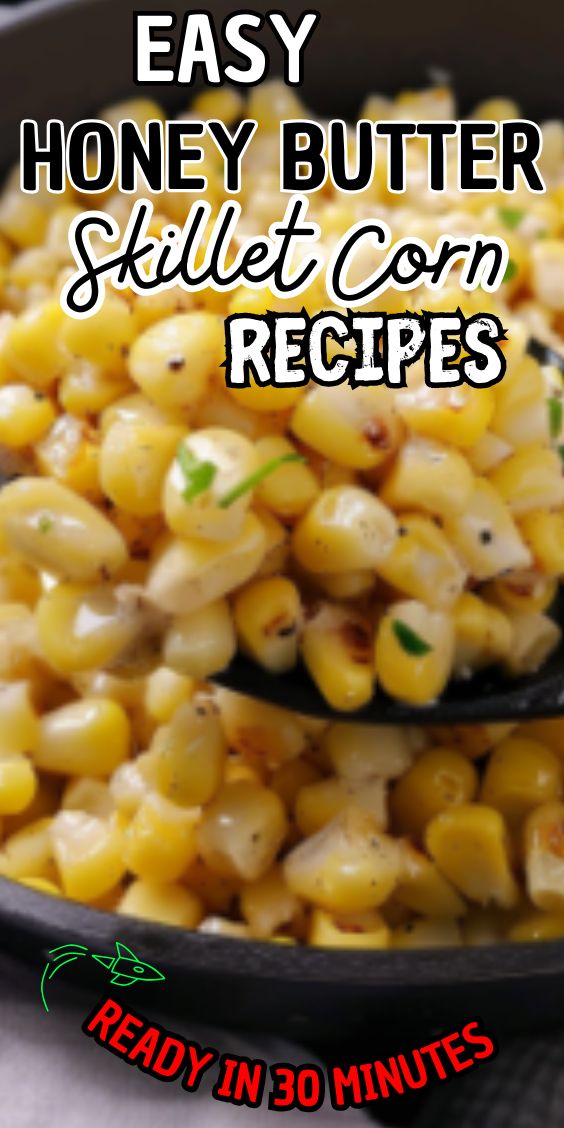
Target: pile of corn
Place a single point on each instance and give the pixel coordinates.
(419, 536)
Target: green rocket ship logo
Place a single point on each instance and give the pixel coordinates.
(125, 967)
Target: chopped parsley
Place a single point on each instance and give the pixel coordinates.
(253, 480)
(511, 217)
(555, 415)
(45, 523)
(510, 271)
(198, 475)
(409, 640)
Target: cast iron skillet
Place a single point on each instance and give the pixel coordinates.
(62, 59)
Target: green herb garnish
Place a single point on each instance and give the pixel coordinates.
(255, 479)
(198, 475)
(561, 452)
(409, 640)
(555, 415)
(511, 217)
(45, 523)
(510, 271)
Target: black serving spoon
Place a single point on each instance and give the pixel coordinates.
(487, 697)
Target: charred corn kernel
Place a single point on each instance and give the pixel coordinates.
(356, 427)
(166, 904)
(423, 889)
(422, 563)
(458, 416)
(521, 416)
(92, 796)
(346, 585)
(231, 459)
(268, 620)
(348, 930)
(523, 591)
(19, 730)
(535, 636)
(292, 488)
(360, 752)
(268, 904)
(440, 778)
(427, 475)
(41, 885)
(346, 527)
(18, 783)
(29, 852)
(318, 803)
(532, 927)
(265, 399)
(531, 479)
(544, 535)
(165, 692)
(414, 677)
(202, 642)
(435, 933)
(544, 856)
(189, 574)
(469, 845)
(521, 774)
(189, 755)
(483, 634)
(337, 650)
(259, 731)
(160, 841)
(86, 737)
(88, 854)
(486, 536)
(18, 582)
(104, 339)
(242, 831)
(32, 346)
(347, 867)
(25, 415)
(134, 460)
(55, 530)
(173, 361)
(69, 453)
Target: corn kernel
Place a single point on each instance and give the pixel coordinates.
(469, 845)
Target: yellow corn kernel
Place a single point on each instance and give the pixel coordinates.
(474, 741)
(520, 416)
(87, 391)
(423, 889)
(523, 592)
(427, 475)
(18, 783)
(485, 535)
(45, 802)
(160, 841)
(457, 416)
(347, 867)
(531, 479)
(535, 636)
(166, 904)
(341, 586)
(191, 573)
(521, 774)
(268, 904)
(417, 678)
(25, 415)
(41, 885)
(22, 219)
(231, 458)
(268, 619)
(129, 786)
(345, 528)
(356, 427)
(20, 725)
(277, 545)
(18, 582)
(103, 339)
(18, 643)
(216, 892)
(165, 692)
(225, 103)
(360, 752)
(261, 732)
(92, 796)
(544, 856)
(290, 489)
(221, 926)
(82, 628)
(318, 803)
(483, 634)
(189, 755)
(289, 779)
(544, 535)
(242, 831)
(265, 399)
(136, 408)
(202, 642)
(88, 854)
(173, 361)
(337, 650)
(435, 933)
(32, 347)
(440, 778)
(549, 732)
(469, 845)
(87, 737)
(348, 930)
(59, 532)
(488, 452)
(134, 460)
(533, 927)
(69, 453)
(422, 563)
(29, 852)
